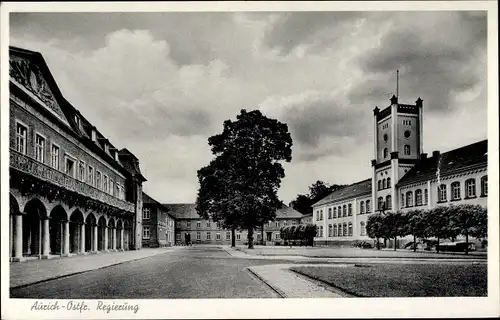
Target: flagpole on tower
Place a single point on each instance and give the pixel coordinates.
(397, 84)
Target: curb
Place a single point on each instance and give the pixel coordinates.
(277, 290)
(344, 293)
(78, 272)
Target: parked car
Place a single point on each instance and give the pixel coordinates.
(456, 246)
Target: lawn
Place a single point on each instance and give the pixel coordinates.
(405, 280)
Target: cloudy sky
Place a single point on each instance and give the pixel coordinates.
(160, 84)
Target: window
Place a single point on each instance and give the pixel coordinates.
(105, 183)
(330, 230)
(321, 231)
(329, 213)
(81, 170)
(198, 224)
(426, 196)
(386, 151)
(344, 210)
(334, 230)
(349, 209)
(317, 215)
(285, 223)
(335, 212)
(39, 148)
(384, 184)
(238, 236)
(277, 224)
(178, 237)
(407, 150)
(402, 199)
(455, 190)
(146, 213)
(350, 229)
(277, 236)
(418, 197)
(362, 228)
(188, 224)
(409, 199)
(344, 230)
(217, 236)
(145, 233)
(380, 185)
(270, 224)
(339, 227)
(54, 156)
(98, 180)
(208, 224)
(362, 207)
(69, 167)
(380, 203)
(442, 193)
(21, 134)
(294, 222)
(209, 236)
(198, 235)
(407, 134)
(111, 186)
(388, 182)
(340, 212)
(367, 206)
(470, 186)
(90, 176)
(484, 186)
(228, 235)
(388, 202)
(321, 214)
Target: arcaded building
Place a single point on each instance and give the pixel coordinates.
(403, 177)
(71, 190)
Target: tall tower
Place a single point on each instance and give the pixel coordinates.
(398, 145)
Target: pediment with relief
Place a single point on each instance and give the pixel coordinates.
(29, 76)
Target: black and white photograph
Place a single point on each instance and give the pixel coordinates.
(167, 161)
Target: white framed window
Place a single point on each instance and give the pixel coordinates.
(367, 206)
(335, 230)
(339, 227)
(21, 137)
(285, 223)
(388, 202)
(39, 147)
(409, 199)
(484, 186)
(294, 222)
(217, 236)
(386, 153)
(407, 150)
(455, 190)
(277, 236)
(98, 181)
(90, 175)
(349, 209)
(238, 236)
(69, 166)
(344, 210)
(209, 236)
(426, 196)
(470, 186)
(362, 207)
(442, 197)
(146, 213)
(208, 224)
(330, 230)
(188, 224)
(111, 187)
(349, 229)
(145, 233)
(418, 197)
(335, 212)
(54, 156)
(198, 235)
(198, 224)
(388, 182)
(362, 228)
(277, 224)
(228, 235)
(380, 203)
(105, 183)
(270, 224)
(81, 170)
(329, 213)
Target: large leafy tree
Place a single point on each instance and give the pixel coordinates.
(468, 219)
(439, 224)
(247, 161)
(375, 227)
(394, 225)
(317, 191)
(414, 225)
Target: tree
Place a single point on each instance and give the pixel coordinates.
(438, 223)
(393, 226)
(375, 227)
(250, 150)
(302, 203)
(414, 224)
(468, 219)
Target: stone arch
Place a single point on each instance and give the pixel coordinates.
(101, 230)
(58, 217)
(111, 234)
(14, 220)
(90, 232)
(119, 234)
(76, 231)
(35, 212)
(127, 234)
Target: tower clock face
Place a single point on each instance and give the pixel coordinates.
(407, 134)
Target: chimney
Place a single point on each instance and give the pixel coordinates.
(423, 156)
(435, 153)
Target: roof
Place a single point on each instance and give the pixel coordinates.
(464, 158)
(147, 199)
(188, 211)
(357, 189)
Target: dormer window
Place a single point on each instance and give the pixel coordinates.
(106, 147)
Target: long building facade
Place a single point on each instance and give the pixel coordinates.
(158, 224)
(71, 190)
(203, 231)
(403, 178)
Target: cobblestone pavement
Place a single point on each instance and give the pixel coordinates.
(289, 284)
(33, 271)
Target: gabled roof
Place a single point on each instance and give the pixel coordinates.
(288, 213)
(464, 158)
(351, 191)
(147, 199)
